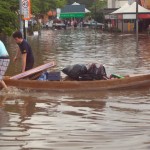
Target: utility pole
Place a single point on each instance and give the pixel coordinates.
(95, 16)
(20, 16)
(137, 25)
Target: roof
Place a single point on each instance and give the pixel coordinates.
(121, 9)
(73, 9)
(75, 3)
(131, 9)
(86, 10)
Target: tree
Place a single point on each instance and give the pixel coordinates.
(60, 3)
(43, 6)
(8, 16)
(97, 9)
(9, 12)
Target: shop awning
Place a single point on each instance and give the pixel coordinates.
(73, 11)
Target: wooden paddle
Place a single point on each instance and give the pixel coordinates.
(33, 71)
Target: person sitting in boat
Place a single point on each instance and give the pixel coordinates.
(4, 62)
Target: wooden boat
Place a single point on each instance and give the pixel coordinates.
(21, 82)
(131, 82)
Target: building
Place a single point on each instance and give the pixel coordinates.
(126, 21)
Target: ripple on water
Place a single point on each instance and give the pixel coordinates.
(108, 120)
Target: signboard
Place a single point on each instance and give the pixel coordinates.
(26, 9)
(129, 16)
(72, 15)
(113, 17)
(26, 23)
(107, 17)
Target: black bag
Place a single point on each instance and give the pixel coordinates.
(75, 71)
(97, 73)
(86, 77)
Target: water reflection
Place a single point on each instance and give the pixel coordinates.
(75, 120)
(88, 120)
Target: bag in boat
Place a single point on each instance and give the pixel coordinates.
(54, 76)
(50, 76)
(75, 71)
(95, 73)
(43, 76)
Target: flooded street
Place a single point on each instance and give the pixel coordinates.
(111, 120)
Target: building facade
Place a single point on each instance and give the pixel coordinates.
(116, 3)
(117, 22)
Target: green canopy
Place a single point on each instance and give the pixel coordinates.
(72, 15)
(73, 11)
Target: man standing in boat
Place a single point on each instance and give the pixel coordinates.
(4, 62)
(25, 50)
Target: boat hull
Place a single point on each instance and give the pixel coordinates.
(138, 81)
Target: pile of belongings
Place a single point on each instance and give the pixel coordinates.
(82, 73)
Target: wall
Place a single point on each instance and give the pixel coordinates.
(116, 3)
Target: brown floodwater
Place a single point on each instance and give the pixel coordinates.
(111, 120)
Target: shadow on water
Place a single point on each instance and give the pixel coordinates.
(24, 101)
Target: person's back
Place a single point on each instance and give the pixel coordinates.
(3, 51)
(4, 62)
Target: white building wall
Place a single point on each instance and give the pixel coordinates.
(119, 4)
(111, 3)
(116, 3)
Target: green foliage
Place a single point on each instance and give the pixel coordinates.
(43, 6)
(60, 3)
(39, 6)
(97, 9)
(8, 17)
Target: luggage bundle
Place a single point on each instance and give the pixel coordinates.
(82, 73)
(50, 76)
